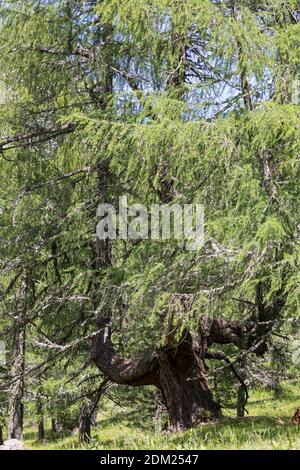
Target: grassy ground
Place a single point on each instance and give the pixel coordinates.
(266, 427)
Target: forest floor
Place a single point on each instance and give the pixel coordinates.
(266, 427)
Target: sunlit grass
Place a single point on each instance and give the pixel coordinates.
(266, 427)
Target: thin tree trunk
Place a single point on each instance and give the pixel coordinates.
(88, 413)
(41, 429)
(1, 436)
(242, 391)
(244, 79)
(39, 411)
(85, 422)
(15, 409)
(240, 402)
(54, 425)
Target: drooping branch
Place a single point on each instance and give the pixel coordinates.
(30, 188)
(34, 137)
(84, 55)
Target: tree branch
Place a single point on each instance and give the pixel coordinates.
(35, 137)
(121, 371)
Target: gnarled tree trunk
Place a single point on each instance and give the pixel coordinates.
(177, 369)
(182, 380)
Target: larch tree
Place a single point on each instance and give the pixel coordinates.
(166, 102)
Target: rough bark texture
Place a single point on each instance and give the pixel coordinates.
(242, 391)
(183, 383)
(15, 409)
(122, 371)
(177, 368)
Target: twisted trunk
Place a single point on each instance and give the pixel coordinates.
(177, 369)
(183, 383)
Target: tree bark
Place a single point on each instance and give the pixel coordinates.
(182, 380)
(15, 409)
(240, 402)
(88, 411)
(1, 436)
(84, 425)
(54, 425)
(242, 391)
(177, 369)
(41, 429)
(39, 411)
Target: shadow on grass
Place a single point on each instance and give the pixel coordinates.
(30, 435)
(230, 433)
(242, 432)
(133, 419)
(133, 430)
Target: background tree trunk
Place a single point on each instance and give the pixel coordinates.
(88, 413)
(39, 411)
(85, 423)
(41, 429)
(54, 425)
(242, 391)
(240, 402)
(15, 409)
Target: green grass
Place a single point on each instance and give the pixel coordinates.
(266, 427)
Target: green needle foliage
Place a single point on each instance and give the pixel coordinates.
(165, 101)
